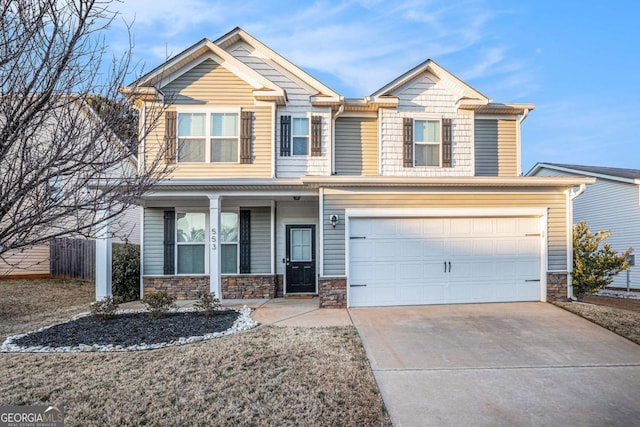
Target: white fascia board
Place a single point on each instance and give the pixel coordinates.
(472, 181)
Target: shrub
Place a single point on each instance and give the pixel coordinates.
(104, 309)
(126, 272)
(594, 267)
(159, 303)
(208, 303)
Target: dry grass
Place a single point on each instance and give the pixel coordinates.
(272, 376)
(623, 322)
(26, 305)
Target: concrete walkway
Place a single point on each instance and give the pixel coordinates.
(524, 364)
(278, 311)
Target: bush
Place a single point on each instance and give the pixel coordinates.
(125, 274)
(159, 303)
(594, 267)
(104, 309)
(208, 303)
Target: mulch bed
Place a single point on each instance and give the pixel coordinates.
(130, 329)
(615, 302)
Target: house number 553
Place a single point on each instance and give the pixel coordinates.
(214, 239)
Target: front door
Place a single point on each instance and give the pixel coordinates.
(301, 258)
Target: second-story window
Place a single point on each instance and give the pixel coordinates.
(300, 136)
(208, 137)
(224, 137)
(191, 137)
(426, 136)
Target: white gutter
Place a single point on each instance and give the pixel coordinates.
(519, 140)
(572, 196)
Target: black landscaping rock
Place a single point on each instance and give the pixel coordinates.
(129, 329)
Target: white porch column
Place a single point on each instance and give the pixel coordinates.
(215, 284)
(103, 258)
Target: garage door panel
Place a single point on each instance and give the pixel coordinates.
(405, 261)
(411, 249)
(434, 227)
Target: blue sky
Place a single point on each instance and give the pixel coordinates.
(578, 62)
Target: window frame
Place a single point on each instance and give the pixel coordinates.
(179, 211)
(416, 143)
(236, 243)
(208, 132)
(308, 135)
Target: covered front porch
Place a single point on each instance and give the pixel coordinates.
(239, 245)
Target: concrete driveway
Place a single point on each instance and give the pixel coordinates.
(499, 364)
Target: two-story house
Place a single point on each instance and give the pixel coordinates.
(412, 195)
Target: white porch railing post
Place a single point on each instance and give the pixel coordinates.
(103, 259)
(215, 284)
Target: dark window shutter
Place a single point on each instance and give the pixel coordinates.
(316, 135)
(170, 128)
(169, 242)
(446, 143)
(245, 136)
(245, 242)
(285, 135)
(407, 142)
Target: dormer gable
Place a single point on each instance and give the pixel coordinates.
(430, 72)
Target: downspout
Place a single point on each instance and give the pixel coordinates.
(573, 194)
(519, 140)
(274, 148)
(333, 138)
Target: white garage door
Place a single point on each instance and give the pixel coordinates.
(412, 261)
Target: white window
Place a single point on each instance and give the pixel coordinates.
(224, 137)
(191, 242)
(427, 139)
(191, 137)
(229, 242)
(300, 136)
(208, 137)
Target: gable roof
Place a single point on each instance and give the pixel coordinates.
(616, 174)
(153, 81)
(238, 34)
(466, 91)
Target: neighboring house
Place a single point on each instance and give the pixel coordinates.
(612, 203)
(35, 261)
(411, 195)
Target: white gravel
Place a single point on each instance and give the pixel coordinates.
(243, 322)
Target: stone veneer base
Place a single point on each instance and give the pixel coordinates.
(557, 286)
(332, 292)
(233, 286)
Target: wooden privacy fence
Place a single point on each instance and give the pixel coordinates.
(74, 258)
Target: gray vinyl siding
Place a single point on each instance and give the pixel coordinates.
(334, 238)
(153, 241)
(356, 146)
(496, 147)
(614, 206)
(261, 240)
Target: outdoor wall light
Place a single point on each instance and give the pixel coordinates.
(333, 220)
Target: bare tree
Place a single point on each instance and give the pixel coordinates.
(60, 161)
